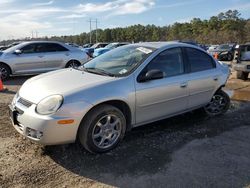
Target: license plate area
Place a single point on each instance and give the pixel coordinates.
(248, 66)
(13, 115)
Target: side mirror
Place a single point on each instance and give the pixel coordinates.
(151, 75)
(17, 52)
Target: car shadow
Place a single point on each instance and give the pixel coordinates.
(16, 80)
(146, 150)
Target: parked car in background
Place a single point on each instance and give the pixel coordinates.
(109, 47)
(223, 52)
(74, 45)
(124, 88)
(39, 56)
(242, 61)
(91, 50)
(87, 45)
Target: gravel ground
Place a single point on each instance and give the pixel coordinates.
(190, 150)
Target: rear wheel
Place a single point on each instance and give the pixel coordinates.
(73, 63)
(218, 105)
(4, 71)
(242, 75)
(102, 129)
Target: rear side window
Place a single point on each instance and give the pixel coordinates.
(50, 47)
(198, 60)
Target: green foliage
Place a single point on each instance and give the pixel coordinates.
(223, 28)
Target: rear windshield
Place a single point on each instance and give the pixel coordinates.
(245, 53)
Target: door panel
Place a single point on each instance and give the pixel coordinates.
(202, 86)
(158, 98)
(28, 63)
(55, 60)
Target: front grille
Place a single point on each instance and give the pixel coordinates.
(24, 102)
(20, 127)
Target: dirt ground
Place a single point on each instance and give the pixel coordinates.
(190, 150)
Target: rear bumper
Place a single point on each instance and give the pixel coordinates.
(242, 67)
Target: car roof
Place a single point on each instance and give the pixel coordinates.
(158, 45)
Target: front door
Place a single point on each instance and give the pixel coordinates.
(156, 99)
(29, 61)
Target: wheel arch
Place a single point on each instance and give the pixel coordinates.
(7, 66)
(77, 61)
(121, 105)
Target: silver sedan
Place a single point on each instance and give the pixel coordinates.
(38, 57)
(113, 93)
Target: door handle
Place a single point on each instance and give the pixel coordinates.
(215, 78)
(40, 56)
(183, 85)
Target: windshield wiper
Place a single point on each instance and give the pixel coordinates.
(98, 71)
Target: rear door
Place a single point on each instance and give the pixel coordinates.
(56, 56)
(203, 77)
(157, 99)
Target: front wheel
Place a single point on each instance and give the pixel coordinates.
(218, 105)
(4, 72)
(102, 129)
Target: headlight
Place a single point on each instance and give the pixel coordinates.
(49, 105)
(15, 98)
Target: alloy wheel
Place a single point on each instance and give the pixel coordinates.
(216, 105)
(107, 131)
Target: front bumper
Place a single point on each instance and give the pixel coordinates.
(45, 129)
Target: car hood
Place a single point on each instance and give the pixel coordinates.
(63, 82)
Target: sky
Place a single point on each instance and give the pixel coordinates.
(21, 18)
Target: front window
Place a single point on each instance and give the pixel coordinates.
(118, 62)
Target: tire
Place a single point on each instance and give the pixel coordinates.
(96, 133)
(5, 71)
(229, 57)
(242, 75)
(73, 63)
(218, 105)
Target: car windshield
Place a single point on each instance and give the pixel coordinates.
(118, 62)
(224, 47)
(111, 45)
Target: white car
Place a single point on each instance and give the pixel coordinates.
(39, 56)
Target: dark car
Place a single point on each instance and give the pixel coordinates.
(224, 52)
(242, 61)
